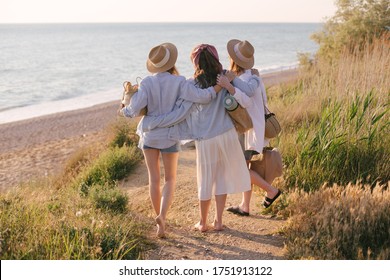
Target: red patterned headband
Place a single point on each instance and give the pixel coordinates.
(199, 49)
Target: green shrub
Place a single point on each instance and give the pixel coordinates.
(351, 222)
(112, 165)
(123, 133)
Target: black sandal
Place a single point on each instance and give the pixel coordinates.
(268, 201)
(237, 210)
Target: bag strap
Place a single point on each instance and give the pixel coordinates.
(266, 110)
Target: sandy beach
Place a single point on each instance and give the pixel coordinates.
(40, 146)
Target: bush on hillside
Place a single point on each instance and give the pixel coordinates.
(123, 133)
(355, 23)
(112, 165)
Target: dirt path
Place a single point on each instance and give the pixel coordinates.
(254, 237)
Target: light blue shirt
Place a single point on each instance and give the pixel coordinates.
(159, 93)
(249, 87)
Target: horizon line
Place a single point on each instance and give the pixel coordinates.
(160, 22)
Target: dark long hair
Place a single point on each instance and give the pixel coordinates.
(207, 70)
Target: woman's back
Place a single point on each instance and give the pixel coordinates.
(209, 120)
(161, 92)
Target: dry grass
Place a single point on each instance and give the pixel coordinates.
(352, 75)
(340, 222)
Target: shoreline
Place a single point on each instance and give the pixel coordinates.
(40, 146)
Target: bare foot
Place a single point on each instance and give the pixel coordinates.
(160, 227)
(201, 228)
(218, 226)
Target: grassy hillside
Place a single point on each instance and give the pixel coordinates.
(80, 214)
(336, 147)
(336, 121)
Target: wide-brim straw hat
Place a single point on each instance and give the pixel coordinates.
(242, 53)
(161, 58)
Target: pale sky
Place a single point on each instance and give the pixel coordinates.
(42, 11)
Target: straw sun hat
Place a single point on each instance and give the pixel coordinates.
(161, 58)
(242, 53)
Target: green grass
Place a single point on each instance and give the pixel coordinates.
(41, 223)
(52, 219)
(348, 144)
(112, 165)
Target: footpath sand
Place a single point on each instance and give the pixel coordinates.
(244, 238)
(39, 147)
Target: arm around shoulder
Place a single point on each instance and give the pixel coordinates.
(192, 93)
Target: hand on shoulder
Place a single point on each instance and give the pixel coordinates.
(230, 75)
(255, 72)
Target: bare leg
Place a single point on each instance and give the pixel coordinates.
(246, 200)
(257, 180)
(246, 196)
(204, 206)
(152, 159)
(170, 169)
(220, 201)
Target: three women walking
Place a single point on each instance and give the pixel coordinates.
(180, 109)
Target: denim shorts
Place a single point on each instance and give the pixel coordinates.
(173, 149)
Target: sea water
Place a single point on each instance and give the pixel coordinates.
(48, 68)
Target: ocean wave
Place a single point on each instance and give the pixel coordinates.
(278, 68)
